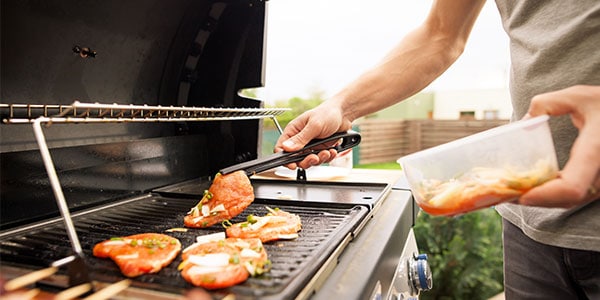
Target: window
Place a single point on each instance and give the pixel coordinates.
(467, 115)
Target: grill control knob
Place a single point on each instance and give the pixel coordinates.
(412, 276)
(420, 273)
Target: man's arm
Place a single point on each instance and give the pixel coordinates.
(414, 63)
(421, 57)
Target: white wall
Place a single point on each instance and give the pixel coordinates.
(448, 104)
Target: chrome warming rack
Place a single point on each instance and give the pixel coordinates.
(79, 112)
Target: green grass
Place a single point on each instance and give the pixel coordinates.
(385, 166)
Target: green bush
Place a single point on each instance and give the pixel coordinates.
(464, 253)
(297, 106)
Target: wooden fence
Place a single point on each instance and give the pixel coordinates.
(387, 140)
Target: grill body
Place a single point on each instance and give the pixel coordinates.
(139, 163)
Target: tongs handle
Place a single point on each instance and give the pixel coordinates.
(349, 139)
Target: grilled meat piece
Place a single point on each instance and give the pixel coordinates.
(226, 198)
(223, 263)
(277, 224)
(140, 253)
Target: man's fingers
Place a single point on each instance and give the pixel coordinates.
(555, 193)
(561, 193)
(547, 104)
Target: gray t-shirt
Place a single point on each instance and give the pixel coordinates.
(554, 44)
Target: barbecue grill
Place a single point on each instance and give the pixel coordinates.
(116, 115)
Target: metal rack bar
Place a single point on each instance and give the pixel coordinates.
(79, 112)
(54, 182)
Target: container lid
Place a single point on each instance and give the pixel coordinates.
(526, 124)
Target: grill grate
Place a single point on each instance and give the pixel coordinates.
(295, 262)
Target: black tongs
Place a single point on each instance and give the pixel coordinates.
(347, 140)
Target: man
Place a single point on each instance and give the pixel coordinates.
(552, 233)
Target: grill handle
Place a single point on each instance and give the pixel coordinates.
(348, 139)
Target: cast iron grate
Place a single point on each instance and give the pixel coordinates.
(295, 262)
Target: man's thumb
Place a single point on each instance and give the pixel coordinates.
(295, 143)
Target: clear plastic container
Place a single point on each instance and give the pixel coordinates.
(483, 169)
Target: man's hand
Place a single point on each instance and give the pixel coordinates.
(579, 181)
(317, 123)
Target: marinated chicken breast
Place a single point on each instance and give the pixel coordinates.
(226, 198)
(140, 253)
(276, 225)
(224, 262)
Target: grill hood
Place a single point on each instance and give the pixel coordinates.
(153, 52)
(156, 53)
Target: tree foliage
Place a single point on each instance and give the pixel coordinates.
(297, 106)
(464, 253)
(249, 93)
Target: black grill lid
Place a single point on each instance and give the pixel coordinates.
(142, 51)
